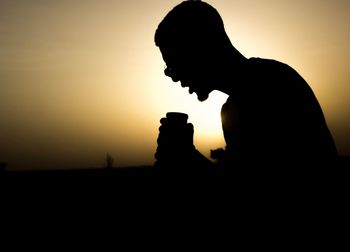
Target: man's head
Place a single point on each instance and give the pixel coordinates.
(192, 40)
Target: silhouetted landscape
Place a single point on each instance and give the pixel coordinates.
(343, 165)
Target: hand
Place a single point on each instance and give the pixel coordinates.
(176, 152)
(175, 141)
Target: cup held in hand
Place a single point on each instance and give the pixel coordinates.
(177, 118)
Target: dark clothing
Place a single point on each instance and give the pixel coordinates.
(275, 118)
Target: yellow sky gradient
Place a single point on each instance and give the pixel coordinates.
(79, 79)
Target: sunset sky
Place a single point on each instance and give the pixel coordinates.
(82, 78)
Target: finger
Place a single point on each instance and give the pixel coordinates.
(163, 120)
(190, 126)
(164, 129)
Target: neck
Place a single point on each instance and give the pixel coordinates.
(232, 71)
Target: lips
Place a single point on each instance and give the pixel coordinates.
(185, 84)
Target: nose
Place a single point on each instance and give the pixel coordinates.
(167, 71)
(171, 73)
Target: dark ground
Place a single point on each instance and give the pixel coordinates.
(310, 201)
(147, 176)
(311, 193)
(343, 165)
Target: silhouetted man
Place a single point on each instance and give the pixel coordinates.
(271, 117)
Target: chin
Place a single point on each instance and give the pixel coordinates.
(202, 97)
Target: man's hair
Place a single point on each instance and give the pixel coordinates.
(191, 21)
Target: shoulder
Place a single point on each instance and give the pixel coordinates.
(230, 114)
(267, 62)
(279, 76)
(270, 65)
(228, 105)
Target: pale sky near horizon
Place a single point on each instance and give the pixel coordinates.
(82, 78)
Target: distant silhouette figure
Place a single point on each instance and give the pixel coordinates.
(109, 161)
(271, 118)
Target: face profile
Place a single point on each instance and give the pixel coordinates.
(190, 39)
(182, 65)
